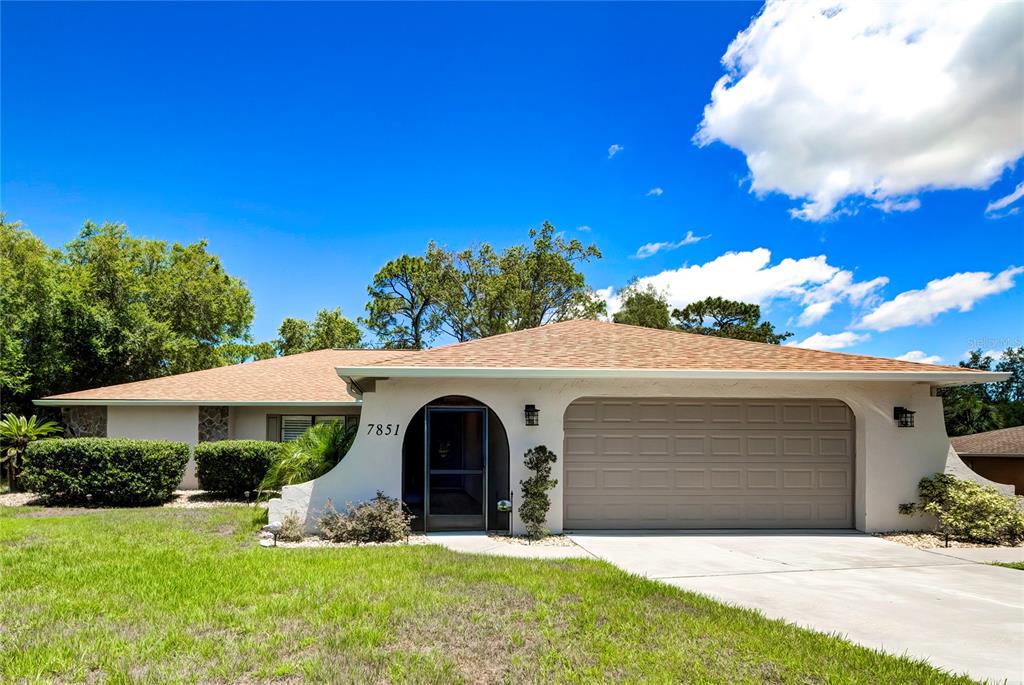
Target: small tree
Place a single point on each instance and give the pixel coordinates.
(533, 510)
(16, 432)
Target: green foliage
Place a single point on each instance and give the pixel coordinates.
(115, 471)
(234, 466)
(16, 433)
(533, 509)
(479, 292)
(382, 519)
(643, 307)
(969, 511)
(329, 330)
(988, 406)
(310, 456)
(727, 319)
(111, 308)
(401, 298)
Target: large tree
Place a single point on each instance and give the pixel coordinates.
(643, 307)
(111, 308)
(987, 406)
(329, 329)
(727, 319)
(478, 292)
(399, 312)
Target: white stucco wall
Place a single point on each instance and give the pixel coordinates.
(889, 460)
(180, 424)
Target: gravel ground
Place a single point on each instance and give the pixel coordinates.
(926, 540)
(548, 541)
(201, 499)
(266, 540)
(18, 499)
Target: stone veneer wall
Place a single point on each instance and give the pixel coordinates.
(84, 422)
(213, 424)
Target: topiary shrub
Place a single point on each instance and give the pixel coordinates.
(234, 466)
(533, 510)
(114, 471)
(969, 511)
(382, 519)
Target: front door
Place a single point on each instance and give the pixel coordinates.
(456, 468)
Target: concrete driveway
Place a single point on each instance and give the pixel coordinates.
(955, 613)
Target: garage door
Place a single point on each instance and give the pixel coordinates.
(708, 463)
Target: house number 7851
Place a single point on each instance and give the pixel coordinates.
(382, 429)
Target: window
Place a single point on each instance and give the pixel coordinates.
(289, 427)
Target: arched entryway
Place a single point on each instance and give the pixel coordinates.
(455, 466)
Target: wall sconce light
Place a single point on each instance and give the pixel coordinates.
(904, 417)
(532, 415)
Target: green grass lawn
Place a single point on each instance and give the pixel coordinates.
(172, 595)
(1019, 565)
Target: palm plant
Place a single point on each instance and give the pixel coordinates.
(311, 455)
(16, 432)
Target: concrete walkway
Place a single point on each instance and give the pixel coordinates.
(955, 613)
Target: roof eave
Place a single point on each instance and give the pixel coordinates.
(71, 402)
(932, 377)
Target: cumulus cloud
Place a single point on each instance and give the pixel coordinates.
(834, 99)
(615, 149)
(651, 249)
(751, 277)
(1004, 202)
(959, 291)
(841, 286)
(920, 357)
(836, 341)
(655, 192)
(584, 228)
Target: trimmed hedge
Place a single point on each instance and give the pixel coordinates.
(234, 466)
(115, 471)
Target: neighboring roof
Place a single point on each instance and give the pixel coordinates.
(307, 378)
(1005, 441)
(585, 348)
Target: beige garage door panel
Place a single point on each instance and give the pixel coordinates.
(692, 463)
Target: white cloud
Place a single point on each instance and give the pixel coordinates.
(836, 341)
(959, 291)
(840, 287)
(814, 313)
(890, 205)
(1006, 200)
(751, 277)
(584, 228)
(836, 99)
(920, 357)
(651, 249)
(615, 149)
(656, 192)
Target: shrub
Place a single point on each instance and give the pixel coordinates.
(114, 471)
(292, 529)
(313, 454)
(969, 511)
(382, 519)
(234, 466)
(533, 510)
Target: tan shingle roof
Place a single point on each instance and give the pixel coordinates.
(1002, 441)
(600, 345)
(307, 377)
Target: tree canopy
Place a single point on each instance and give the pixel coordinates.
(727, 319)
(478, 292)
(643, 307)
(330, 329)
(979, 408)
(111, 308)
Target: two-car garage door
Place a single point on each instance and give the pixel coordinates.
(708, 463)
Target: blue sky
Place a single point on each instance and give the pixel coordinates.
(310, 143)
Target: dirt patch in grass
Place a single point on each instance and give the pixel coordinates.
(487, 634)
(50, 512)
(929, 540)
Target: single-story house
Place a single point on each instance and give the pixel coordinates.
(653, 429)
(997, 455)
